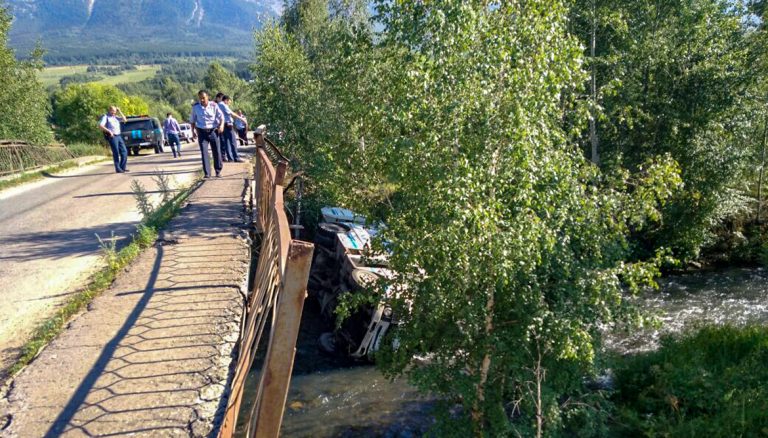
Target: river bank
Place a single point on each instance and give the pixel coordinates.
(334, 396)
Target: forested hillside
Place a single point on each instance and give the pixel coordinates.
(78, 29)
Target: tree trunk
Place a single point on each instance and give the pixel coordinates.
(539, 375)
(592, 114)
(762, 173)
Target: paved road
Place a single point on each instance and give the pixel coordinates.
(48, 230)
(152, 355)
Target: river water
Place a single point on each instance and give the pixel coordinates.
(734, 296)
(332, 397)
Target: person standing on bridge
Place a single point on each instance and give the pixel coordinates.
(224, 153)
(241, 124)
(229, 139)
(110, 126)
(208, 121)
(172, 130)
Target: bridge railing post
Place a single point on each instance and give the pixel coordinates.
(267, 412)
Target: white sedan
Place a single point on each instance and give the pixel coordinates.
(186, 132)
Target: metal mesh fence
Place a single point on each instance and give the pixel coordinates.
(16, 156)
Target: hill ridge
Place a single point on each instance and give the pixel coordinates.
(78, 28)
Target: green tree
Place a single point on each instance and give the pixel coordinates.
(508, 246)
(24, 106)
(219, 79)
(78, 108)
(174, 93)
(672, 77)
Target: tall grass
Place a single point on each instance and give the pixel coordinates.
(709, 383)
(86, 149)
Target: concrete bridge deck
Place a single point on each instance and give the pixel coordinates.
(152, 355)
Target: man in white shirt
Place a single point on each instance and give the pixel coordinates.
(208, 122)
(228, 137)
(110, 126)
(172, 130)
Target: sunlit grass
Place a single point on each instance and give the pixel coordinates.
(52, 75)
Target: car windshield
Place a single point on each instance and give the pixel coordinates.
(186, 126)
(138, 125)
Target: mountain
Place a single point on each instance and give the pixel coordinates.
(112, 27)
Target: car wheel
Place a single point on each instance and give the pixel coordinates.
(327, 343)
(329, 230)
(135, 151)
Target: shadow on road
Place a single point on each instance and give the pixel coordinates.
(60, 244)
(83, 175)
(155, 373)
(98, 195)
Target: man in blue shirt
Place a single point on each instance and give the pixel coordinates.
(208, 120)
(172, 129)
(110, 126)
(241, 125)
(229, 138)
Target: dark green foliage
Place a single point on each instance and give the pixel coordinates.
(508, 247)
(220, 79)
(458, 123)
(712, 382)
(174, 88)
(79, 78)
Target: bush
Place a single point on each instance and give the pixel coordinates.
(78, 108)
(712, 382)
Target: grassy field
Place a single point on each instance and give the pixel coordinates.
(52, 75)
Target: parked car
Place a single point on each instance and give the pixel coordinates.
(186, 132)
(142, 132)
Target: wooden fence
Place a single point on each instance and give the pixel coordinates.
(279, 289)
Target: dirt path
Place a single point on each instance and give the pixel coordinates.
(151, 357)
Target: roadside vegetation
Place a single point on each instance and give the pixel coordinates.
(24, 106)
(116, 258)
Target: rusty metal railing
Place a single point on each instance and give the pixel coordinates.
(279, 288)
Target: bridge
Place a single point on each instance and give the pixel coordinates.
(167, 350)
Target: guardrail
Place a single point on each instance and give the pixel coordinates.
(19, 156)
(279, 288)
